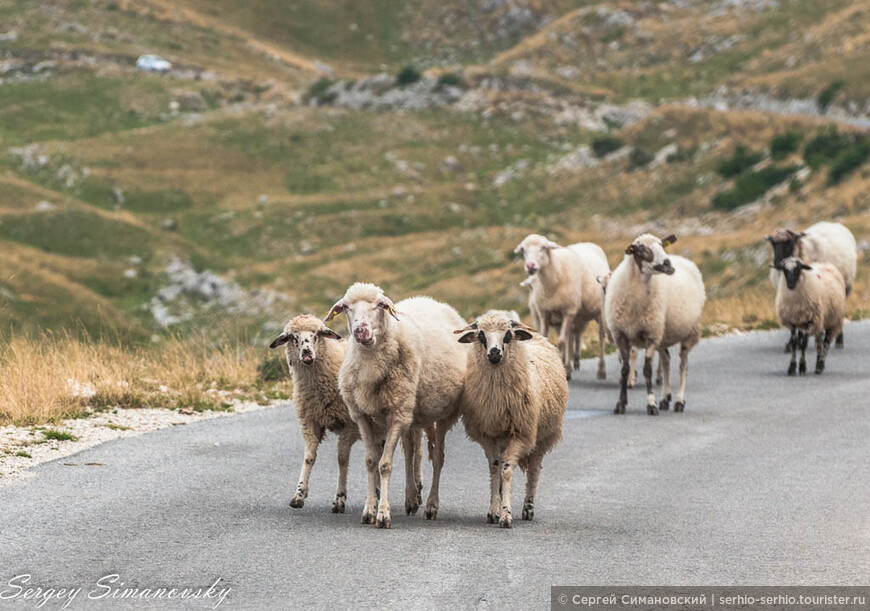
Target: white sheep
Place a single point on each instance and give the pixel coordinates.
(314, 354)
(810, 300)
(554, 320)
(401, 373)
(655, 301)
(513, 404)
(565, 290)
(821, 243)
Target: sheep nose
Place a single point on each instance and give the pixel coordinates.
(362, 333)
(531, 268)
(665, 267)
(494, 356)
(306, 356)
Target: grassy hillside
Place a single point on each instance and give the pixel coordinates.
(107, 173)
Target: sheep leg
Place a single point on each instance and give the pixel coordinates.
(564, 346)
(823, 344)
(804, 339)
(313, 435)
(373, 448)
(576, 348)
(665, 364)
(840, 343)
(632, 375)
(651, 407)
(385, 468)
(622, 345)
(437, 464)
(509, 460)
(346, 439)
(680, 405)
(411, 444)
(793, 346)
(494, 462)
(533, 473)
(602, 340)
(659, 376)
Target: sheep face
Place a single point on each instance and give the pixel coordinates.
(536, 252)
(302, 335)
(784, 242)
(649, 254)
(493, 333)
(791, 268)
(368, 313)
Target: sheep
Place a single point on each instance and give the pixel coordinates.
(632, 376)
(513, 404)
(554, 320)
(821, 243)
(402, 373)
(654, 301)
(566, 289)
(810, 300)
(315, 353)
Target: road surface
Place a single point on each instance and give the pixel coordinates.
(762, 481)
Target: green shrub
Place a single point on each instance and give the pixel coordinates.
(272, 369)
(56, 435)
(449, 79)
(783, 145)
(318, 91)
(828, 94)
(749, 186)
(407, 75)
(605, 145)
(849, 160)
(742, 159)
(638, 158)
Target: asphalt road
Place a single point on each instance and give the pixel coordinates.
(762, 481)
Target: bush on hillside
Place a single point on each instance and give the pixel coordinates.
(741, 160)
(749, 186)
(605, 145)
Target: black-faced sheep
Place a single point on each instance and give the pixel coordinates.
(513, 404)
(810, 300)
(314, 354)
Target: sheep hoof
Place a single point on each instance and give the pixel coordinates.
(411, 508)
(602, 375)
(787, 348)
(528, 512)
(338, 507)
(820, 368)
(652, 410)
(431, 512)
(492, 518)
(576, 364)
(568, 374)
(367, 518)
(792, 368)
(383, 521)
(802, 369)
(296, 502)
(506, 521)
(665, 403)
(619, 409)
(679, 406)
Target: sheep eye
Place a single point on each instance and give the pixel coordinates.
(482, 337)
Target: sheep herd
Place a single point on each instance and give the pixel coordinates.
(416, 367)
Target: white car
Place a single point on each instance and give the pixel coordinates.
(153, 63)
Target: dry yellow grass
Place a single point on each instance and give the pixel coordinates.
(53, 376)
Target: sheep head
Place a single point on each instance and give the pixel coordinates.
(493, 332)
(784, 243)
(303, 335)
(536, 252)
(367, 310)
(791, 268)
(649, 254)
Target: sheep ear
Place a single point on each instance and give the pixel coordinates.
(518, 249)
(550, 245)
(468, 337)
(280, 340)
(385, 303)
(338, 308)
(471, 327)
(768, 238)
(669, 240)
(804, 266)
(630, 249)
(328, 333)
(522, 335)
